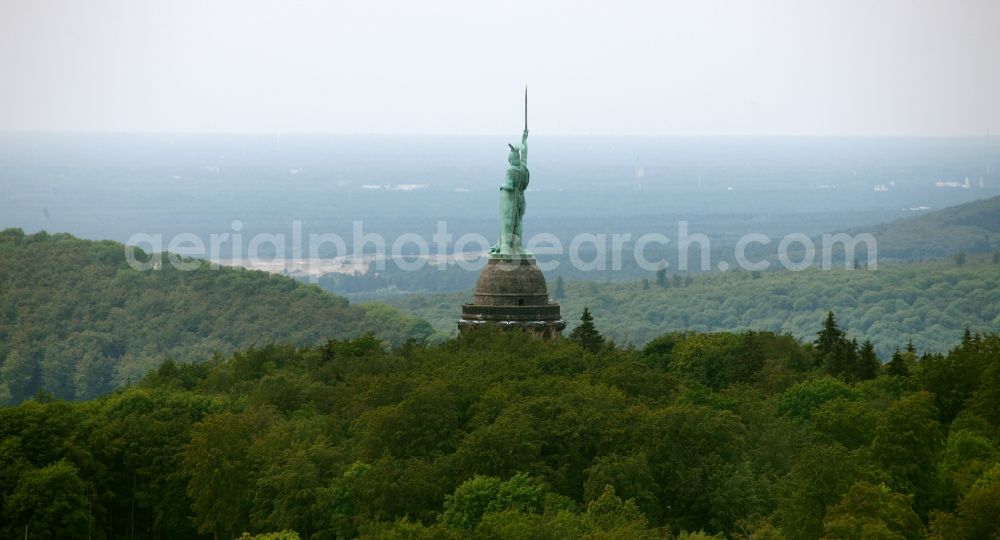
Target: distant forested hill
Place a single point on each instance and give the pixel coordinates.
(971, 227)
(76, 320)
(930, 303)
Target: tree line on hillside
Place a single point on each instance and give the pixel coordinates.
(497, 435)
(964, 230)
(930, 303)
(76, 321)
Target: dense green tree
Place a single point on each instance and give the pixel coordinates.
(685, 445)
(987, 395)
(136, 444)
(801, 400)
(980, 506)
(426, 423)
(839, 355)
(964, 459)
(336, 510)
(819, 477)
(868, 363)
(872, 512)
(659, 351)
(848, 422)
(291, 485)
(39, 429)
(953, 379)
(906, 445)
(49, 502)
(481, 494)
(586, 334)
(897, 366)
(975, 517)
(639, 379)
(629, 476)
(720, 359)
(830, 337)
(395, 488)
(550, 428)
(13, 463)
(617, 518)
(708, 359)
(510, 524)
(218, 463)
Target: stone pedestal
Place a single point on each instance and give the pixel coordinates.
(511, 293)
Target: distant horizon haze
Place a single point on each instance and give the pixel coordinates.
(512, 134)
(631, 68)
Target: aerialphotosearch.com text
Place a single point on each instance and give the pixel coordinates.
(319, 253)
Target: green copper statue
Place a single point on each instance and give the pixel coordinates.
(512, 197)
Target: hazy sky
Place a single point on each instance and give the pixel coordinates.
(614, 67)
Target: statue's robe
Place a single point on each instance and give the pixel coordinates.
(512, 206)
(512, 202)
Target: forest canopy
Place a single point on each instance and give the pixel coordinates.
(76, 320)
(496, 435)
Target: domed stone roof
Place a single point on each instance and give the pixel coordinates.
(511, 283)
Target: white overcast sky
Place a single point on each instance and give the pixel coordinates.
(896, 67)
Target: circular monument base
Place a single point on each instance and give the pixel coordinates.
(511, 294)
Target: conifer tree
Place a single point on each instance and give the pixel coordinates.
(868, 362)
(661, 276)
(586, 335)
(897, 366)
(834, 351)
(829, 338)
